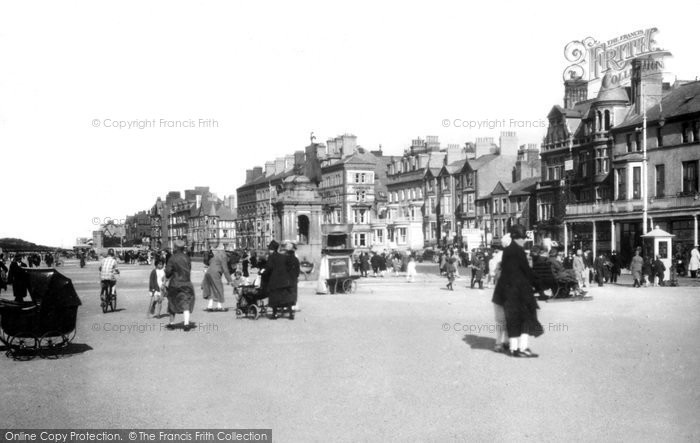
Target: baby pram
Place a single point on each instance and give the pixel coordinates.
(251, 302)
(46, 324)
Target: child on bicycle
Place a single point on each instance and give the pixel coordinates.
(157, 288)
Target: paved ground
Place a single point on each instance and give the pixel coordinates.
(395, 361)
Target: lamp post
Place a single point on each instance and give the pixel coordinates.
(644, 163)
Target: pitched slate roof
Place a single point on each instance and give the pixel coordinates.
(683, 100)
(225, 213)
(481, 161)
(524, 186)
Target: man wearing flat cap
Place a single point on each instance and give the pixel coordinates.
(180, 288)
(515, 294)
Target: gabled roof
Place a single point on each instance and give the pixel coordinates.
(683, 100)
(524, 186)
(476, 163)
(360, 158)
(580, 110)
(434, 172)
(274, 177)
(501, 188)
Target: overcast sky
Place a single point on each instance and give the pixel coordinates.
(268, 73)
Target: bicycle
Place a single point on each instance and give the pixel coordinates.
(109, 302)
(109, 288)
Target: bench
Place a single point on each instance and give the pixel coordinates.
(545, 279)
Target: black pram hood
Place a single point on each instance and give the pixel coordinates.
(51, 289)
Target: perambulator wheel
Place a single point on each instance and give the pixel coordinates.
(51, 345)
(253, 311)
(22, 348)
(239, 313)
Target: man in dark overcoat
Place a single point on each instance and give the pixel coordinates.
(280, 280)
(514, 292)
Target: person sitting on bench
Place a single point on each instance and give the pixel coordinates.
(563, 275)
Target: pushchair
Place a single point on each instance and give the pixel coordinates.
(251, 302)
(44, 325)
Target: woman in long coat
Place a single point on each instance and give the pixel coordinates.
(180, 288)
(636, 269)
(212, 288)
(364, 264)
(281, 274)
(514, 292)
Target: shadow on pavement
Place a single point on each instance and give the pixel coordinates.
(478, 342)
(70, 350)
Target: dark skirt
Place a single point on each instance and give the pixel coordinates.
(180, 299)
(282, 297)
(521, 319)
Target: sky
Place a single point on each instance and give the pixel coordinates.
(249, 81)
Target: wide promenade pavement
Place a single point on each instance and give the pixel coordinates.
(392, 362)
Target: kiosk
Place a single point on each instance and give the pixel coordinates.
(658, 242)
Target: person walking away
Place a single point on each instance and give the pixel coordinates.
(396, 265)
(614, 267)
(18, 278)
(636, 269)
(374, 261)
(450, 270)
(156, 286)
(294, 270)
(180, 289)
(382, 264)
(212, 288)
(478, 271)
(364, 264)
(443, 263)
(514, 292)
(579, 269)
(694, 263)
(599, 266)
(278, 281)
(657, 269)
(411, 270)
(108, 275)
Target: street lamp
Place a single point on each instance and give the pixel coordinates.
(644, 162)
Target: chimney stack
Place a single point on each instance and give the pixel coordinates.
(484, 145)
(575, 90)
(279, 165)
(299, 161)
(455, 153)
(269, 168)
(288, 162)
(508, 143)
(647, 83)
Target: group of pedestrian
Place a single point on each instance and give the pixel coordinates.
(646, 272)
(171, 279)
(477, 262)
